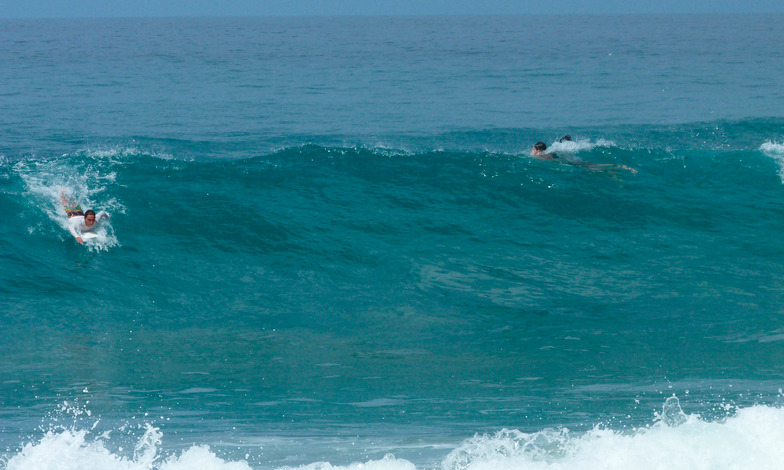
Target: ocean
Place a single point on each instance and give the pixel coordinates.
(330, 247)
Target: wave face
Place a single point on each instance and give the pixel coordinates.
(330, 248)
(381, 296)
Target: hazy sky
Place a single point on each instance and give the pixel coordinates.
(113, 8)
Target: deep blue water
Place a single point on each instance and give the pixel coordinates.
(329, 243)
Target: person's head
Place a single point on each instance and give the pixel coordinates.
(566, 138)
(539, 147)
(89, 218)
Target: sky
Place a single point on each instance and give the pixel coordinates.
(155, 8)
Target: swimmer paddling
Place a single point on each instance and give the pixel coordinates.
(81, 221)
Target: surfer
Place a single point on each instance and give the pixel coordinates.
(540, 149)
(81, 221)
(539, 152)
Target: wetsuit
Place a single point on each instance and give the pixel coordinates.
(76, 224)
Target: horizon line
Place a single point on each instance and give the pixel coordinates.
(388, 15)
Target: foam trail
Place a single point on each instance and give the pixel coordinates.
(46, 180)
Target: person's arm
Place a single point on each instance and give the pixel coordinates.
(73, 227)
(100, 216)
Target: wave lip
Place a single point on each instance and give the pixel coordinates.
(775, 150)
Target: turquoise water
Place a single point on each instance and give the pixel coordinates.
(330, 248)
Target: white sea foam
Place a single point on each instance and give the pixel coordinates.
(772, 148)
(574, 146)
(775, 151)
(74, 450)
(750, 438)
(389, 462)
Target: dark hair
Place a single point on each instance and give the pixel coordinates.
(540, 146)
(89, 212)
(566, 138)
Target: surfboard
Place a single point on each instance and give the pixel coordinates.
(89, 235)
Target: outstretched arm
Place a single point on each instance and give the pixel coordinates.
(74, 229)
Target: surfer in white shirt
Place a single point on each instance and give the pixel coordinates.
(81, 221)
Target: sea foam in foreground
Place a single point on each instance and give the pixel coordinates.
(750, 439)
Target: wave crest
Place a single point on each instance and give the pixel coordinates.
(750, 439)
